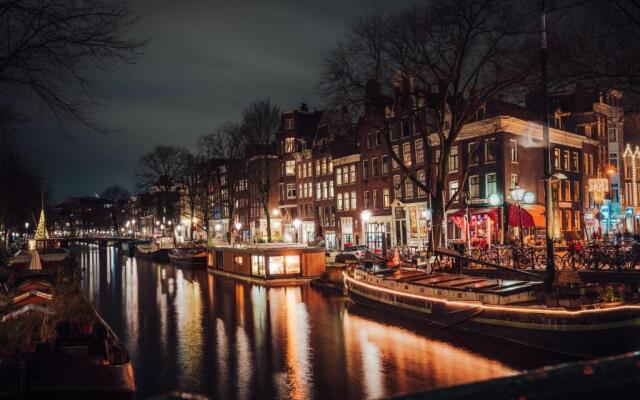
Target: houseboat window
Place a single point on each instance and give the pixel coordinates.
(257, 265)
(276, 265)
(292, 264)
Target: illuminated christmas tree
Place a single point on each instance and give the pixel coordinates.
(41, 232)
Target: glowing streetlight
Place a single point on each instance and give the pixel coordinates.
(238, 226)
(275, 212)
(366, 215)
(517, 194)
(26, 225)
(296, 224)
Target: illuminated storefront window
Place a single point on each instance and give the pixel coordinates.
(284, 265)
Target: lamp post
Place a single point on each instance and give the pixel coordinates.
(517, 194)
(426, 214)
(238, 226)
(296, 225)
(365, 215)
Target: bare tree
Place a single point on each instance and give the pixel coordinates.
(434, 67)
(161, 168)
(223, 151)
(596, 43)
(50, 48)
(260, 124)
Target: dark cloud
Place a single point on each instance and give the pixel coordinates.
(207, 60)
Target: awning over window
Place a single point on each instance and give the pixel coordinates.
(520, 216)
(537, 213)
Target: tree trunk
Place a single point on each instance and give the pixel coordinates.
(268, 224)
(192, 211)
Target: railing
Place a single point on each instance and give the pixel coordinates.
(590, 257)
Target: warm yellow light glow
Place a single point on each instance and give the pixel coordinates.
(527, 310)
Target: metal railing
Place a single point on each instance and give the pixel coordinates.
(576, 257)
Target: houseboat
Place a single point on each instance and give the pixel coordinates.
(269, 263)
(45, 253)
(508, 310)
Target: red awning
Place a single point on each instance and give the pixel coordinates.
(519, 216)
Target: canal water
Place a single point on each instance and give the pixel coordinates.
(197, 332)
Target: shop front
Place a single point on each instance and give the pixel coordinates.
(378, 234)
(409, 225)
(478, 226)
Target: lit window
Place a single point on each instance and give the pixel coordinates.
(453, 189)
(419, 151)
(406, 154)
(338, 176)
(513, 150)
(566, 160)
(276, 265)
(474, 187)
(386, 201)
(345, 175)
(339, 201)
(352, 171)
(292, 264)
(257, 265)
(408, 188)
(453, 159)
(289, 145)
(291, 190)
(353, 201)
(290, 168)
(556, 158)
(492, 185)
(346, 201)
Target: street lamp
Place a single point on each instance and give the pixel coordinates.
(517, 194)
(366, 216)
(275, 212)
(26, 225)
(296, 225)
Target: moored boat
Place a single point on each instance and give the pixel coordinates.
(509, 310)
(157, 250)
(192, 257)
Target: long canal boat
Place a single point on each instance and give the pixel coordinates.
(509, 310)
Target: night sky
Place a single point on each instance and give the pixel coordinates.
(206, 61)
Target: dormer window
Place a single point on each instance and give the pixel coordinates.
(288, 123)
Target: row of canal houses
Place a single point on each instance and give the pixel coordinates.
(332, 181)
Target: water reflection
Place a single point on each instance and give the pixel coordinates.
(194, 331)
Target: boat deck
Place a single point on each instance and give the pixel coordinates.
(458, 282)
